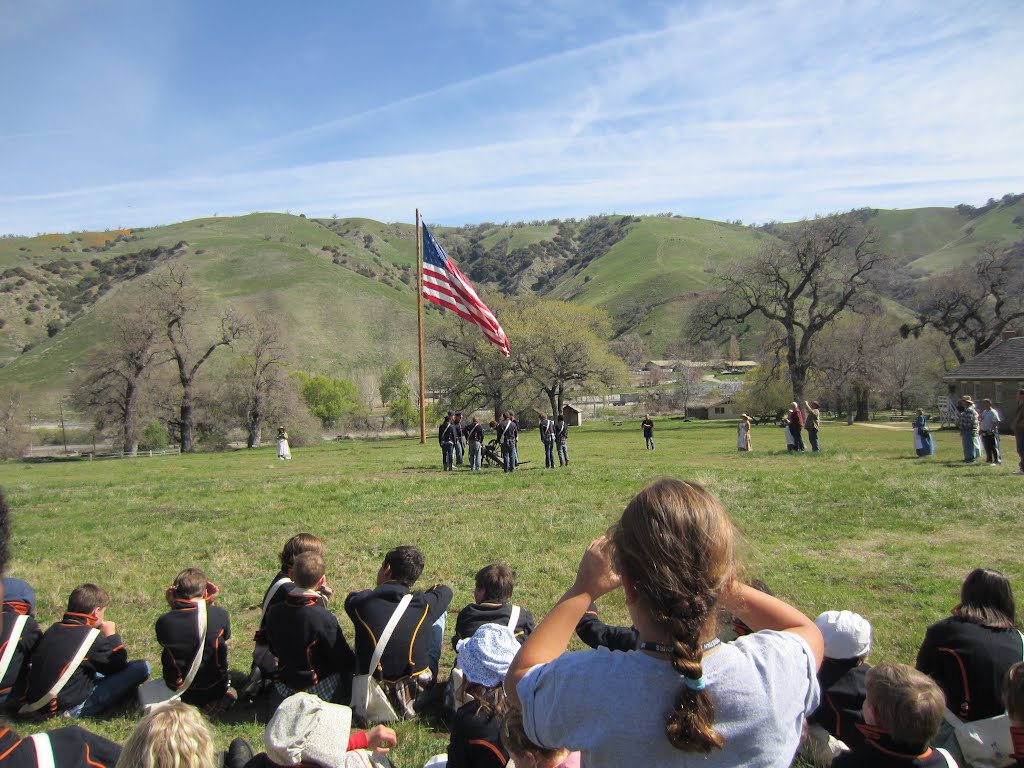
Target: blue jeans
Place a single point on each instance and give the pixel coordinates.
(812, 436)
(475, 451)
(508, 461)
(109, 690)
(549, 454)
(437, 642)
(460, 450)
(563, 453)
(1020, 448)
(447, 455)
(970, 449)
(515, 455)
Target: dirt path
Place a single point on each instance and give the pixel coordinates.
(873, 425)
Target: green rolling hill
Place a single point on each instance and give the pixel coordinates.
(344, 289)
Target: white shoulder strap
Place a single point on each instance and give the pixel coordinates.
(197, 662)
(44, 750)
(12, 644)
(1021, 641)
(273, 591)
(72, 667)
(950, 762)
(514, 618)
(389, 630)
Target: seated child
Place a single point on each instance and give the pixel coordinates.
(408, 668)
(306, 638)
(102, 678)
(832, 728)
(903, 711)
(308, 731)
(264, 665)
(493, 595)
(1014, 695)
(70, 747)
(476, 730)
(21, 628)
(176, 631)
(174, 736)
(525, 753)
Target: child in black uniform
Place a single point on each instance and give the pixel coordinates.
(493, 595)
(101, 679)
(70, 747)
(21, 628)
(177, 634)
(903, 710)
(264, 665)
(306, 638)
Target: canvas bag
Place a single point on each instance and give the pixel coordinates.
(72, 667)
(984, 743)
(368, 700)
(155, 694)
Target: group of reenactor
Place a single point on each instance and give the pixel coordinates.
(456, 438)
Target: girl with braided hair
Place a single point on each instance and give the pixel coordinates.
(682, 698)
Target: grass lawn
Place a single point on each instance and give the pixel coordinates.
(864, 525)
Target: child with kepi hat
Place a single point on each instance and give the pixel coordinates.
(833, 727)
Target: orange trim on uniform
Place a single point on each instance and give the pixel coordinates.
(494, 749)
(839, 720)
(412, 642)
(965, 705)
(4, 733)
(92, 762)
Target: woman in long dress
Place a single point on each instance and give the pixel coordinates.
(743, 434)
(790, 439)
(923, 442)
(284, 451)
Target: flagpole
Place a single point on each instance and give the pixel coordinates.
(419, 313)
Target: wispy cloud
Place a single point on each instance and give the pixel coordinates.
(758, 113)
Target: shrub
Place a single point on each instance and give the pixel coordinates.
(154, 436)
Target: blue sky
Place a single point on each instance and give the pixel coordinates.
(128, 113)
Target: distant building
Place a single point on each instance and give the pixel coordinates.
(573, 416)
(995, 374)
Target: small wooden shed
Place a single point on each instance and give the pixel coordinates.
(572, 416)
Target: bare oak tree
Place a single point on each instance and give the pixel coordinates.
(113, 381)
(179, 306)
(975, 303)
(800, 282)
(260, 372)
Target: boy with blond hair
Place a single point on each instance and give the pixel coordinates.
(903, 711)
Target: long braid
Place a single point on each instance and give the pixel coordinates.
(675, 542)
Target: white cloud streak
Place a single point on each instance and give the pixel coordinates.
(761, 113)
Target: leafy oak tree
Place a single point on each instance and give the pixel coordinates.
(559, 346)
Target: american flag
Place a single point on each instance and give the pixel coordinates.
(444, 285)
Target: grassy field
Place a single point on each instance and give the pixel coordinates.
(863, 525)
